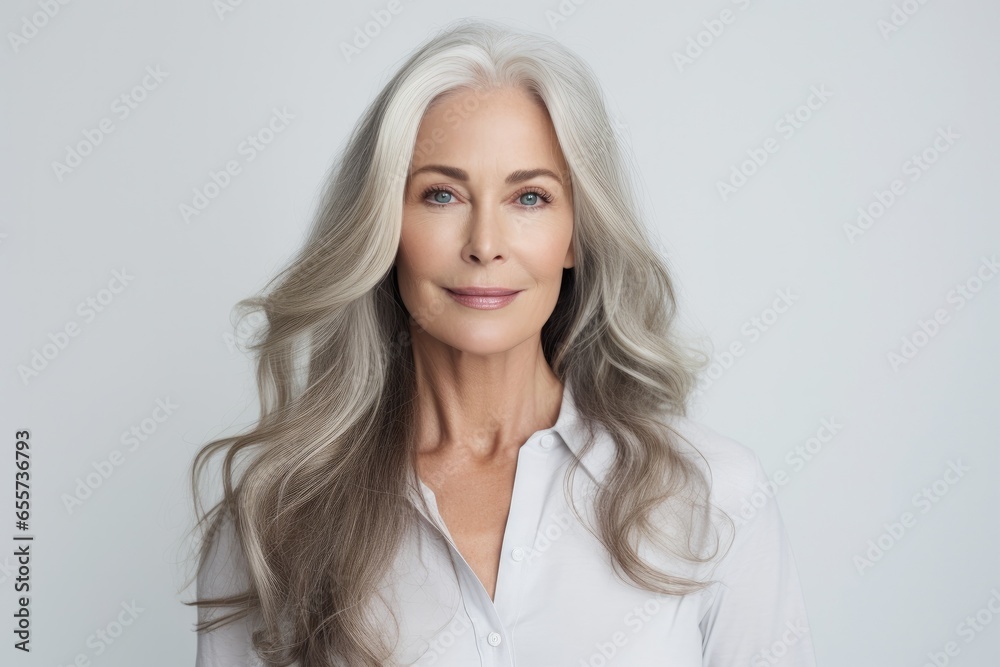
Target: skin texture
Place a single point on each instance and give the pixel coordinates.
(483, 385)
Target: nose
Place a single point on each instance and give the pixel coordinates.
(486, 236)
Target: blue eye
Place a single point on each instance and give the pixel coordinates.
(441, 197)
(532, 197)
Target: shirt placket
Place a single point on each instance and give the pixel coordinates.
(493, 620)
(534, 470)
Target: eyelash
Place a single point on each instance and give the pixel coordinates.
(542, 194)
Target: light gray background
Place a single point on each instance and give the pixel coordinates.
(166, 335)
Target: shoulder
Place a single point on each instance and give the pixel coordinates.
(754, 594)
(223, 570)
(223, 573)
(734, 469)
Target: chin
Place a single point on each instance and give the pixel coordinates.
(481, 340)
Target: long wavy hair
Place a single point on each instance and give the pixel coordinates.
(316, 490)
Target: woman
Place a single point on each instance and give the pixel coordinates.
(476, 316)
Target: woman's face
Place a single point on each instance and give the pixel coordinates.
(488, 205)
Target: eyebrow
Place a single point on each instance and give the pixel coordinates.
(514, 177)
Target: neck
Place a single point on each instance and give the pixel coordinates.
(479, 406)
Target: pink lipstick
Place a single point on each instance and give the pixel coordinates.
(483, 298)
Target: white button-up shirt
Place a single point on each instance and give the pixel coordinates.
(557, 601)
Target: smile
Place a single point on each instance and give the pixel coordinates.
(483, 298)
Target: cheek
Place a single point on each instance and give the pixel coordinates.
(415, 245)
(418, 263)
(423, 230)
(543, 254)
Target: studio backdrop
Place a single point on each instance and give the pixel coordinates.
(821, 178)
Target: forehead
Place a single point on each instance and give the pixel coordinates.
(498, 126)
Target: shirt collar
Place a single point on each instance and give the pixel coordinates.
(572, 429)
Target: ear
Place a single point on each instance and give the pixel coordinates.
(570, 260)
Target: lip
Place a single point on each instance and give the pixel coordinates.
(482, 291)
(483, 298)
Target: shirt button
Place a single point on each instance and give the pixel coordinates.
(547, 441)
(517, 553)
(493, 638)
